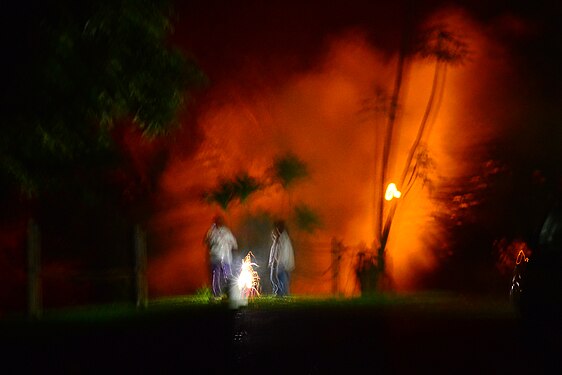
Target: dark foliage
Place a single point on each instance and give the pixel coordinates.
(228, 190)
(88, 88)
(288, 169)
(306, 218)
(75, 70)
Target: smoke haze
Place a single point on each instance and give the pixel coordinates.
(331, 116)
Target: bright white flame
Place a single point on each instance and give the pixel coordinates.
(392, 192)
(248, 280)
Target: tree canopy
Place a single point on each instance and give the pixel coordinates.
(74, 71)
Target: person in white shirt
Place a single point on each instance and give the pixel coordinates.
(220, 242)
(281, 259)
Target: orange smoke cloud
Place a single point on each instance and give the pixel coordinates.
(325, 116)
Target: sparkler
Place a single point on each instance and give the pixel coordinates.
(517, 280)
(521, 257)
(249, 280)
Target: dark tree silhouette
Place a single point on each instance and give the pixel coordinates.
(76, 71)
(445, 48)
(306, 218)
(229, 190)
(80, 77)
(288, 169)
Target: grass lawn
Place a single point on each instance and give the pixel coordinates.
(391, 333)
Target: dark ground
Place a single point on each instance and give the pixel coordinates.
(413, 335)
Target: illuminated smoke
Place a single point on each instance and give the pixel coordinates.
(330, 117)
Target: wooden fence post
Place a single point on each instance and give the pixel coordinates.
(141, 286)
(337, 250)
(34, 298)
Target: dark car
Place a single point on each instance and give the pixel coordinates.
(540, 278)
(537, 292)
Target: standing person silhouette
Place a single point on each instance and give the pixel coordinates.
(220, 242)
(281, 259)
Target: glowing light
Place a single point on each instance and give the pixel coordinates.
(521, 257)
(392, 192)
(248, 280)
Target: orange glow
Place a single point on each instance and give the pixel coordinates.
(328, 117)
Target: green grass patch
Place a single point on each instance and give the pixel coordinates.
(202, 302)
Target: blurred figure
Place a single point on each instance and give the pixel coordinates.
(281, 259)
(220, 242)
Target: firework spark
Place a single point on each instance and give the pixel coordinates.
(249, 280)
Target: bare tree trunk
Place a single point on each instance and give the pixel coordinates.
(34, 297)
(141, 286)
(384, 229)
(389, 131)
(440, 71)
